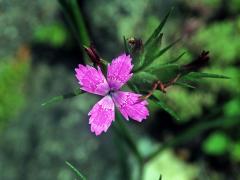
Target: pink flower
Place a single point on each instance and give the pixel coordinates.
(93, 81)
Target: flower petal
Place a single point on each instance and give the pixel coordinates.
(92, 80)
(102, 115)
(119, 71)
(130, 105)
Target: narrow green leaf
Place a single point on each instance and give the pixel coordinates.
(143, 81)
(157, 67)
(165, 107)
(76, 171)
(188, 79)
(138, 63)
(80, 24)
(151, 60)
(168, 110)
(197, 75)
(154, 45)
(75, 19)
(158, 30)
(160, 177)
(62, 97)
(165, 73)
(65, 7)
(53, 100)
(184, 84)
(178, 58)
(133, 87)
(162, 51)
(151, 50)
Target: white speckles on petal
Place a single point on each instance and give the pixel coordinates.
(102, 115)
(92, 80)
(119, 71)
(130, 105)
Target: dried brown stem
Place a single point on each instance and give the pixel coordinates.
(162, 87)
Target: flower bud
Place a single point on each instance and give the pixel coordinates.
(92, 54)
(135, 44)
(201, 61)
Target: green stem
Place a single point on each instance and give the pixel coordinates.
(55, 99)
(125, 135)
(79, 174)
(74, 16)
(123, 161)
(81, 27)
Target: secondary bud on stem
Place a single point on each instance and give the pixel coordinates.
(135, 44)
(93, 55)
(199, 62)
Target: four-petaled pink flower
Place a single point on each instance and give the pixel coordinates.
(118, 73)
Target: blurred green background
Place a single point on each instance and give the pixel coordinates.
(38, 53)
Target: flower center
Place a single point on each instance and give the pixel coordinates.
(111, 91)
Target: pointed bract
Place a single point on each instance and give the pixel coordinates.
(102, 115)
(119, 71)
(92, 80)
(130, 105)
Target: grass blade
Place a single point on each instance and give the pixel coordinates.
(165, 107)
(160, 177)
(62, 97)
(176, 60)
(161, 52)
(184, 84)
(76, 171)
(197, 75)
(158, 30)
(152, 49)
(80, 24)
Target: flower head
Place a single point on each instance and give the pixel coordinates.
(103, 112)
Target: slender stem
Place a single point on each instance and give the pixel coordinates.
(55, 99)
(74, 16)
(79, 174)
(141, 169)
(122, 154)
(123, 132)
(128, 138)
(81, 27)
